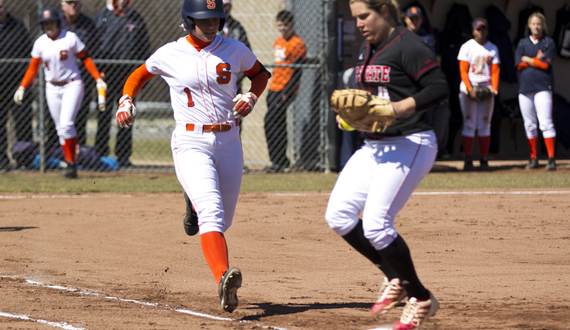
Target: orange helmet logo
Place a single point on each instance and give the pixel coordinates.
(414, 10)
(211, 4)
(46, 14)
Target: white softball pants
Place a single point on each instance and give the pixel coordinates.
(63, 103)
(476, 115)
(537, 106)
(209, 166)
(378, 180)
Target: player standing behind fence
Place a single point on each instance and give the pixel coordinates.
(534, 57)
(288, 49)
(377, 181)
(479, 67)
(59, 49)
(201, 70)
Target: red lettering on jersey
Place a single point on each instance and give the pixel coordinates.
(385, 74)
(224, 73)
(211, 4)
(358, 74)
(63, 55)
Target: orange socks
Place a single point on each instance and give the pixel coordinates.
(484, 142)
(550, 143)
(69, 149)
(215, 251)
(468, 145)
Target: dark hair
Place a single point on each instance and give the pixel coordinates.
(284, 16)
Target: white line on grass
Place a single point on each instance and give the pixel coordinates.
(62, 325)
(155, 305)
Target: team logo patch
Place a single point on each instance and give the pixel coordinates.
(211, 4)
(46, 14)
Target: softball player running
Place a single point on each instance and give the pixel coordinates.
(534, 58)
(479, 66)
(393, 63)
(202, 70)
(58, 50)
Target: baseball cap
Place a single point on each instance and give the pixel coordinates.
(414, 11)
(479, 22)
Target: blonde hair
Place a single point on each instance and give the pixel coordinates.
(542, 18)
(377, 5)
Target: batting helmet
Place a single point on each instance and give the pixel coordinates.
(50, 14)
(201, 9)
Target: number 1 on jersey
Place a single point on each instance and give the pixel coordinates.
(190, 102)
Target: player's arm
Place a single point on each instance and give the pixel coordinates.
(259, 76)
(29, 76)
(126, 111)
(92, 68)
(495, 71)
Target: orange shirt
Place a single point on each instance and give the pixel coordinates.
(285, 52)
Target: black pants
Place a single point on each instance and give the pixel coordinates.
(276, 126)
(22, 117)
(115, 77)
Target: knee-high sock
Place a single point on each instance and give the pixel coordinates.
(215, 251)
(550, 144)
(361, 244)
(532, 147)
(468, 145)
(484, 142)
(69, 149)
(397, 255)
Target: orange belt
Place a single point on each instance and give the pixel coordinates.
(212, 128)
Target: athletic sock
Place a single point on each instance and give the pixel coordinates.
(532, 147)
(69, 149)
(215, 251)
(361, 244)
(550, 144)
(397, 255)
(468, 145)
(484, 142)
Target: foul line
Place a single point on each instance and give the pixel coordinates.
(62, 325)
(155, 305)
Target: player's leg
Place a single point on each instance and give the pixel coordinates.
(469, 112)
(402, 166)
(276, 132)
(528, 112)
(71, 101)
(229, 166)
(484, 115)
(543, 105)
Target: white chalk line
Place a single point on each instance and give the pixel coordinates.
(62, 325)
(155, 305)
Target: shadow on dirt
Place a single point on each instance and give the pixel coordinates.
(270, 309)
(15, 228)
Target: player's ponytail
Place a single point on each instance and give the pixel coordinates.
(377, 5)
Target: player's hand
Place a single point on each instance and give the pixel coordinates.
(19, 95)
(244, 104)
(101, 85)
(126, 112)
(472, 94)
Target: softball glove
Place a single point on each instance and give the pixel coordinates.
(483, 93)
(362, 110)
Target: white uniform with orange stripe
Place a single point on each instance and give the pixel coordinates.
(202, 84)
(64, 87)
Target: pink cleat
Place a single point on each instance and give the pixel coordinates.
(390, 294)
(416, 312)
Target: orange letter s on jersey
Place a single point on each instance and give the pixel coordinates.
(211, 4)
(224, 73)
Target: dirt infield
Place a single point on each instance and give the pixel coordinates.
(494, 259)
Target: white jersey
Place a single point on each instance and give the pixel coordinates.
(59, 56)
(480, 59)
(202, 84)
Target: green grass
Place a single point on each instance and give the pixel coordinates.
(90, 182)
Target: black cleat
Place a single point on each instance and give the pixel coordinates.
(551, 165)
(70, 171)
(532, 164)
(468, 166)
(227, 290)
(484, 164)
(190, 218)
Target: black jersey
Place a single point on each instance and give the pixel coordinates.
(400, 67)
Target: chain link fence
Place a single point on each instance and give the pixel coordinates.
(29, 141)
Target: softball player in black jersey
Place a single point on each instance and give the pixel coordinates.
(376, 182)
